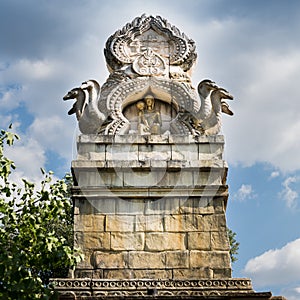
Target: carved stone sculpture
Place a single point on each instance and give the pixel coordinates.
(149, 57)
(150, 191)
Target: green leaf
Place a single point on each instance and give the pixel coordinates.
(36, 233)
(234, 245)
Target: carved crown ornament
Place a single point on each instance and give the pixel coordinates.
(149, 58)
(154, 35)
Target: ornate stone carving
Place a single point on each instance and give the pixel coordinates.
(208, 119)
(144, 287)
(90, 118)
(131, 91)
(149, 56)
(155, 33)
(149, 63)
(149, 118)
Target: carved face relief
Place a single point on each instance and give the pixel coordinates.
(140, 106)
(150, 102)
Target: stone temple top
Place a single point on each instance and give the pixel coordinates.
(150, 190)
(149, 88)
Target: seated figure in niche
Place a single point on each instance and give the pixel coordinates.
(143, 126)
(149, 119)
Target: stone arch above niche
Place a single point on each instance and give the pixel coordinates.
(173, 101)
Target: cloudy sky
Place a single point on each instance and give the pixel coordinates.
(252, 48)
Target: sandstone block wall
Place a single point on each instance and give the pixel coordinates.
(151, 207)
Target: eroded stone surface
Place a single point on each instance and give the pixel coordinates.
(146, 260)
(163, 241)
(127, 241)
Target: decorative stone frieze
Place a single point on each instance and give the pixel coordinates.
(238, 288)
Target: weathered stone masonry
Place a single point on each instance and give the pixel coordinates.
(139, 213)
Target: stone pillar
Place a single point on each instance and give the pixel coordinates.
(151, 207)
(150, 189)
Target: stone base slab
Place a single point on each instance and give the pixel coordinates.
(233, 288)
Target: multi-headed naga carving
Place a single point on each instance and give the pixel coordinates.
(149, 58)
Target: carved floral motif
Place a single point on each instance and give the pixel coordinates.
(149, 63)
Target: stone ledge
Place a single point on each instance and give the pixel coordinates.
(148, 211)
(153, 165)
(233, 288)
(231, 284)
(150, 192)
(149, 139)
(151, 295)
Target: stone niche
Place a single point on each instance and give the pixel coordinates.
(164, 111)
(150, 190)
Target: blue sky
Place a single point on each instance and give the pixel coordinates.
(249, 47)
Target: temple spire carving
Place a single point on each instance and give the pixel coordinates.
(149, 56)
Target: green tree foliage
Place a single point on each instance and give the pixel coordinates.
(35, 231)
(234, 245)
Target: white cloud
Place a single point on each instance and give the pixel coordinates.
(39, 69)
(10, 99)
(291, 293)
(274, 174)
(6, 120)
(29, 157)
(276, 267)
(40, 86)
(289, 195)
(244, 192)
(266, 113)
(54, 134)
